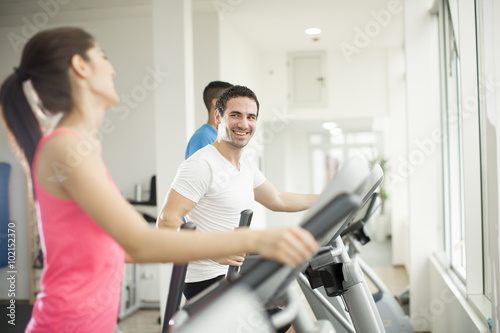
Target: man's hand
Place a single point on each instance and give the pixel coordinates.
(233, 260)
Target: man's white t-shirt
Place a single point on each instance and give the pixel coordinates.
(221, 192)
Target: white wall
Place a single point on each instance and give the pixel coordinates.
(448, 309)
(287, 166)
(396, 180)
(359, 88)
(239, 60)
(129, 150)
(356, 90)
(129, 144)
(124, 34)
(273, 78)
(206, 58)
(423, 117)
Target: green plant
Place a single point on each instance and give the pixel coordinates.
(380, 160)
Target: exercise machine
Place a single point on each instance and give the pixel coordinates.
(267, 280)
(178, 275)
(176, 286)
(245, 220)
(328, 269)
(394, 318)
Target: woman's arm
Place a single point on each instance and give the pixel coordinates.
(87, 183)
(174, 209)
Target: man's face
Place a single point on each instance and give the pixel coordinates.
(239, 122)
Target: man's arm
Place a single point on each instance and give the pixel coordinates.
(174, 209)
(267, 195)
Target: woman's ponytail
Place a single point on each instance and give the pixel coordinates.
(43, 77)
(20, 122)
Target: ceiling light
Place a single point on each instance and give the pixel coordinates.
(336, 131)
(313, 31)
(329, 125)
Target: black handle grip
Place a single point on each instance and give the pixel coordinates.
(245, 219)
(321, 225)
(188, 226)
(176, 285)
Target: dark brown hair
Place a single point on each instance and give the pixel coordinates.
(45, 60)
(213, 90)
(234, 92)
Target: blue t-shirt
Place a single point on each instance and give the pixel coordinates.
(205, 135)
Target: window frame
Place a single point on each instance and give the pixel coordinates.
(466, 18)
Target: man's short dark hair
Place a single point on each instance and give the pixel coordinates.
(234, 92)
(213, 90)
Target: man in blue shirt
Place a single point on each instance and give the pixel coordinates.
(207, 133)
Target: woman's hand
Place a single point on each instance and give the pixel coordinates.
(290, 246)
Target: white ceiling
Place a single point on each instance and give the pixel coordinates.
(280, 24)
(23, 7)
(270, 24)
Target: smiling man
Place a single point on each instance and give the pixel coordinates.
(215, 184)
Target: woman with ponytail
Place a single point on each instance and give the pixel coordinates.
(86, 228)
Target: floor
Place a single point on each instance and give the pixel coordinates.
(144, 321)
(377, 254)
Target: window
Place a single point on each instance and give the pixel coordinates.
(452, 148)
(470, 179)
(488, 139)
(329, 152)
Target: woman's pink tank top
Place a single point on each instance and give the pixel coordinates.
(83, 266)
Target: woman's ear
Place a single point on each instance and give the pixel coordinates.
(79, 65)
